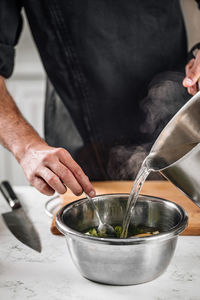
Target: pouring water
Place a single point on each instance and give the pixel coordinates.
(175, 154)
(153, 162)
(138, 183)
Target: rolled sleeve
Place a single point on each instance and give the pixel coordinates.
(10, 29)
(6, 60)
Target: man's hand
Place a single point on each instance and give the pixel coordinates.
(192, 71)
(53, 169)
(48, 169)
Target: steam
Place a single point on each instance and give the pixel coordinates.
(165, 97)
(125, 162)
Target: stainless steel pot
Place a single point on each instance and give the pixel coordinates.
(122, 261)
(176, 152)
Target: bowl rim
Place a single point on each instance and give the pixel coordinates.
(173, 232)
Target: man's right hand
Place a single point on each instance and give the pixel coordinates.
(53, 169)
(48, 169)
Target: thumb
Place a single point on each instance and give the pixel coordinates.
(192, 74)
(187, 82)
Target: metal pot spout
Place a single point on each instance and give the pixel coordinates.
(176, 152)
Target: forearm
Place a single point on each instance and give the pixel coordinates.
(16, 134)
(47, 168)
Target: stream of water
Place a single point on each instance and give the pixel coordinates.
(153, 162)
(138, 183)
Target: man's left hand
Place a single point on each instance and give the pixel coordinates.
(192, 71)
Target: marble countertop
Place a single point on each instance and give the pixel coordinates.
(26, 274)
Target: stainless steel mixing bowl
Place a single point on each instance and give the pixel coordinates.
(122, 261)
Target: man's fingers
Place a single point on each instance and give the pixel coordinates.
(193, 90)
(52, 180)
(192, 72)
(67, 177)
(190, 90)
(53, 169)
(187, 82)
(42, 186)
(66, 159)
(189, 66)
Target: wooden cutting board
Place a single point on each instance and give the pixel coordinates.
(163, 189)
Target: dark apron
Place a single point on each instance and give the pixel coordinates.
(110, 50)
